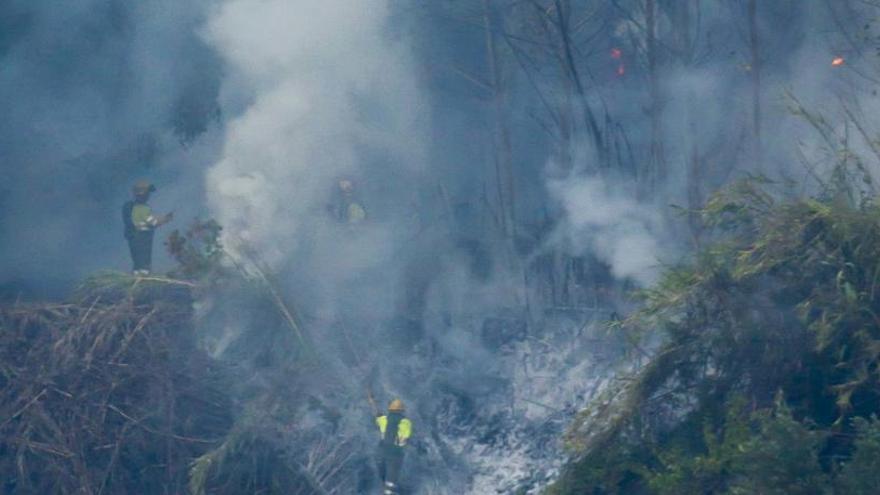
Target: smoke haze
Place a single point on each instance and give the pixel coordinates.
(251, 111)
(628, 236)
(312, 98)
(95, 94)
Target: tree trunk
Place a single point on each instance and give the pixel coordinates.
(657, 171)
(573, 80)
(754, 49)
(503, 155)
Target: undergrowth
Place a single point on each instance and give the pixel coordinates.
(768, 377)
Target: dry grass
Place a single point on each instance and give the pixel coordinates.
(107, 395)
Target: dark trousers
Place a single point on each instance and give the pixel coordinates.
(390, 462)
(141, 246)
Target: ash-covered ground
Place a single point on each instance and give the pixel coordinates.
(490, 398)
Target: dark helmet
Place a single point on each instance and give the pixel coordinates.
(143, 187)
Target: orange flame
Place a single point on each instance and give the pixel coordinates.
(837, 62)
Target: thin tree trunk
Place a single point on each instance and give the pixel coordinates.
(504, 158)
(695, 195)
(657, 173)
(754, 48)
(686, 40)
(170, 460)
(503, 154)
(573, 74)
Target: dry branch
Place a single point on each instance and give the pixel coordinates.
(83, 403)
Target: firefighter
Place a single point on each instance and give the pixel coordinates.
(346, 208)
(140, 225)
(394, 431)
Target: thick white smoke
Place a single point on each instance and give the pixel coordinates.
(316, 91)
(617, 229)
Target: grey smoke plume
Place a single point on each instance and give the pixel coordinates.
(95, 93)
(316, 91)
(616, 228)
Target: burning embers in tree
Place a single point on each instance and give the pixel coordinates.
(617, 55)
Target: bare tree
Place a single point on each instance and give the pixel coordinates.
(755, 53)
(503, 155)
(657, 155)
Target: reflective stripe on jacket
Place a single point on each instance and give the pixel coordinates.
(142, 217)
(404, 430)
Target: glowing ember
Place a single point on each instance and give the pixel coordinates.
(617, 54)
(838, 61)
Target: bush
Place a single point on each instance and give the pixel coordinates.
(785, 300)
(861, 474)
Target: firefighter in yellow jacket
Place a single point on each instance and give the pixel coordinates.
(140, 223)
(346, 208)
(394, 431)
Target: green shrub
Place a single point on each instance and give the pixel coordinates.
(784, 301)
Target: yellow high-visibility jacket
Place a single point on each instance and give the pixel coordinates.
(356, 213)
(404, 429)
(142, 217)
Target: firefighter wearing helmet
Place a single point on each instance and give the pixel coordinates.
(394, 431)
(140, 224)
(346, 208)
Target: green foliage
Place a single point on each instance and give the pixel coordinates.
(861, 474)
(618, 471)
(785, 300)
(712, 470)
(766, 452)
(198, 251)
(781, 458)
